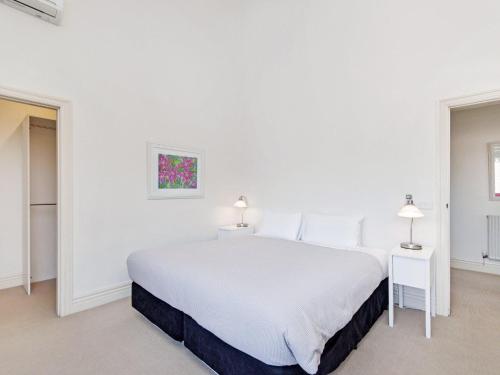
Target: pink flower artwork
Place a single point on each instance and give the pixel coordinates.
(177, 172)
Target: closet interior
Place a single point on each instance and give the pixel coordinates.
(43, 199)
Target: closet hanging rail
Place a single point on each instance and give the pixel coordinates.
(43, 204)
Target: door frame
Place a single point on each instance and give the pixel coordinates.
(443, 159)
(65, 191)
(25, 124)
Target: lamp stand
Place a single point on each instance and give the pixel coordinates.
(410, 245)
(242, 224)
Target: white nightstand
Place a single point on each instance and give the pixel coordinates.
(232, 231)
(412, 268)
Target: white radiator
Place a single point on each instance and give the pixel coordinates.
(493, 237)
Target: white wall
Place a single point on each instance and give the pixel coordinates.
(341, 102)
(11, 180)
(324, 106)
(43, 189)
(471, 130)
(161, 71)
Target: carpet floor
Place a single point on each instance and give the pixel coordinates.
(114, 339)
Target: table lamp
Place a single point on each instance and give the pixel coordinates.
(411, 211)
(242, 204)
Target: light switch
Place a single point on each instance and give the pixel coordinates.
(425, 205)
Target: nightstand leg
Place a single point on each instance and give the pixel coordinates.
(433, 300)
(433, 287)
(428, 301)
(391, 295)
(401, 296)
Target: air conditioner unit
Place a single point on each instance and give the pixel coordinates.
(47, 10)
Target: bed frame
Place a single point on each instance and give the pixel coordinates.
(226, 360)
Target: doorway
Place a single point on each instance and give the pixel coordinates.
(28, 170)
(64, 201)
(475, 188)
(442, 197)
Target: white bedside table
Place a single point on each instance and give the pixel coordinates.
(231, 231)
(412, 268)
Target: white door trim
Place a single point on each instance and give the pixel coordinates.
(443, 190)
(26, 206)
(64, 189)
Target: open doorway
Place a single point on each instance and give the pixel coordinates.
(28, 170)
(65, 193)
(475, 208)
(475, 188)
(443, 192)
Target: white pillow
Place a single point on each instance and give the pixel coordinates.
(279, 225)
(332, 231)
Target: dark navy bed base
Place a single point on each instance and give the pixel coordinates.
(226, 360)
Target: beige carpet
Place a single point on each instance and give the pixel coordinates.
(114, 339)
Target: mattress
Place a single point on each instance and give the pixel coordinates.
(278, 301)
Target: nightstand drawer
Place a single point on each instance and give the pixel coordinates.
(409, 272)
(232, 231)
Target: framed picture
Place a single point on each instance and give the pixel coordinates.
(174, 172)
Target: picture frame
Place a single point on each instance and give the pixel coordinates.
(174, 172)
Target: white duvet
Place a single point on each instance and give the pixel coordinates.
(276, 300)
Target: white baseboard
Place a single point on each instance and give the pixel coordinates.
(39, 278)
(101, 297)
(488, 267)
(11, 281)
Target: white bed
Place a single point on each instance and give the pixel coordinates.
(276, 300)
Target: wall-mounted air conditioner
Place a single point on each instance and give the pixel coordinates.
(47, 10)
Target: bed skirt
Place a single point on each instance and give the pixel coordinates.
(226, 360)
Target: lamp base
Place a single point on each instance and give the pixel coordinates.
(242, 225)
(411, 246)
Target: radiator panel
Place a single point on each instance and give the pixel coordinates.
(493, 237)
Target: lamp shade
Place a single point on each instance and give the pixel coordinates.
(241, 202)
(411, 211)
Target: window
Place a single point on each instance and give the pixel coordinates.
(494, 170)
